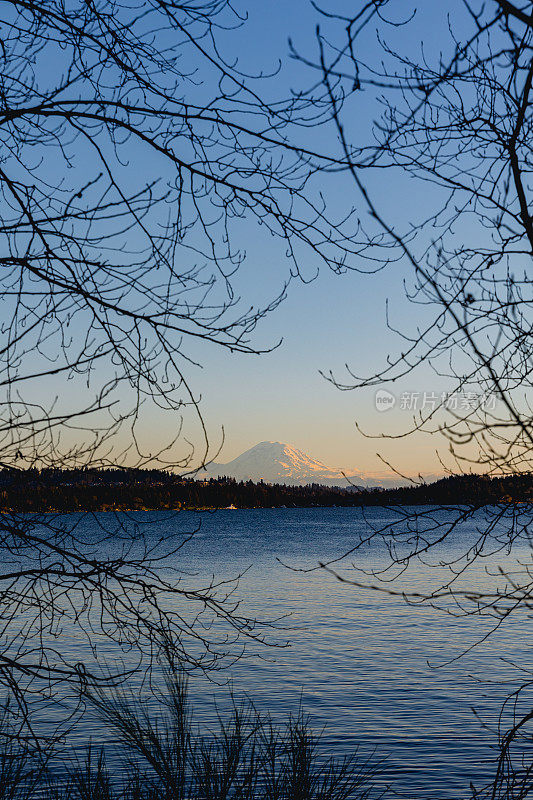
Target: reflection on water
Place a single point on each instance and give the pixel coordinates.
(375, 671)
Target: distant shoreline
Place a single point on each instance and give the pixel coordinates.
(67, 491)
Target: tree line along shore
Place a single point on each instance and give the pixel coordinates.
(55, 490)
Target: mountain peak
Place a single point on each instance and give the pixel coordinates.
(277, 462)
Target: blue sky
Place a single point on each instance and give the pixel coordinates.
(327, 320)
(334, 319)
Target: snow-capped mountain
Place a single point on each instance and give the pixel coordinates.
(275, 462)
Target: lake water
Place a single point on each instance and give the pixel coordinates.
(374, 671)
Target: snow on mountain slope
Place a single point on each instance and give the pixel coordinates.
(275, 462)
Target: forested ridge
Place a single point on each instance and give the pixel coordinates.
(118, 489)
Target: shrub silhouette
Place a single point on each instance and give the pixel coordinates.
(164, 756)
(246, 756)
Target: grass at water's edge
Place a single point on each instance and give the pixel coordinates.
(164, 756)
